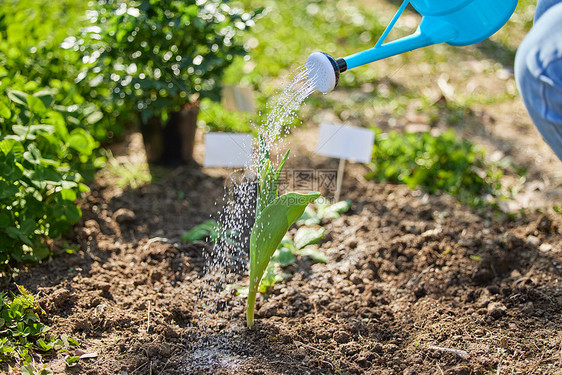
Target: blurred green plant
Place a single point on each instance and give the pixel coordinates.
(157, 56)
(216, 118)
(35, 54)
(128, 174)
(31, 33)
(436, 163)
(322, 210)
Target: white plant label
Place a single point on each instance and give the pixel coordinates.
(229, 150)
(345, 142)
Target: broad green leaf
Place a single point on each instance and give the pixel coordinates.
(27, 226)
(270, 228)
(68, 195)
(72, 360)
(68, 211)
(4, 220)
(13, 232)
(46, 96)
(309, 217)
(41, 252)
(271, 277)
(7, 145)
(308, 236)
(18, 97)
(44, 346)
(7, 190)
(195, 234)
(83, 188)
(5, 111)
(209, 228)
(80, 142)
(335, 210)
(57, 120)
(35, 104)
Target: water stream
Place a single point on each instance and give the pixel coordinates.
(237, 215)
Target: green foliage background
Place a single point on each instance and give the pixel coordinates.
(58, 103)
(54, 116)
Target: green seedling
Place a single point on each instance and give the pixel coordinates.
(274, 215)
(323, 211)
(209, 230)
(284, 256)
(301, 245)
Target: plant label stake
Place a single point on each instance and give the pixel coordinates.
(345, 143)
(229, 150)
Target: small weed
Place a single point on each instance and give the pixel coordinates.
(22, 335)
(323, 211)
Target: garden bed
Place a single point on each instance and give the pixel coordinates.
(414, 284)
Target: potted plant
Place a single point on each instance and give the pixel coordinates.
(160, 57)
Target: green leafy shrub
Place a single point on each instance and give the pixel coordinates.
(435, 163)
(40, 179)
(159, 55)
(31, 33)
(324, 210)
(37, 50)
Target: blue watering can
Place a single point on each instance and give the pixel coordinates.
(456, 22)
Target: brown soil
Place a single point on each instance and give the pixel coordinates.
(415, 284)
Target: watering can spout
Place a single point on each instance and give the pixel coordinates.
(427, 34)
(324, 70)
(456, 22)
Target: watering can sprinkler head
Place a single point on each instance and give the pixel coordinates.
(324, 71)
(456, 22)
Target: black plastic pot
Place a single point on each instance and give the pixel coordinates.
(172, 143)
